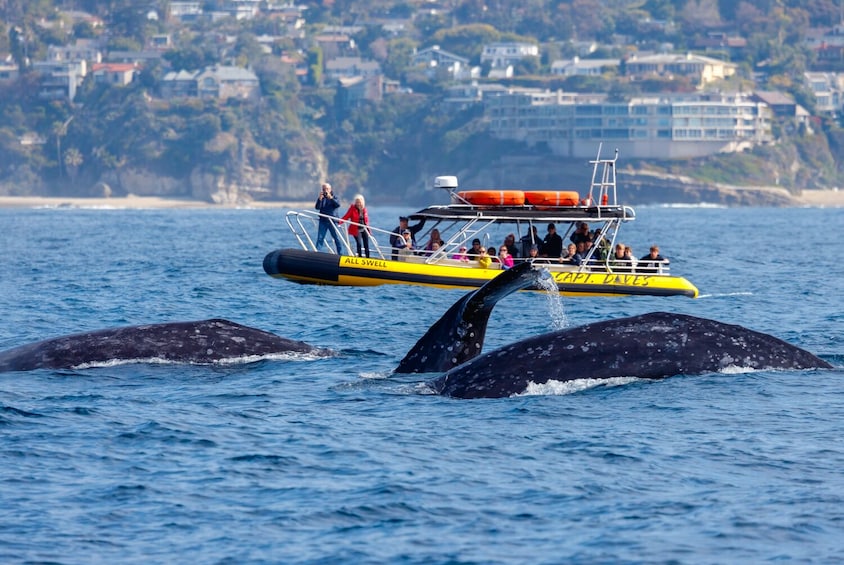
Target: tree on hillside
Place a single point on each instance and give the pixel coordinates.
(466, 40)
(72, 161)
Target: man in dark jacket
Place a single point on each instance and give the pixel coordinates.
(327, 205)
(396, 239)
(552, 245)
(652, 262)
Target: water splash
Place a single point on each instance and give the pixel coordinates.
(546, 282)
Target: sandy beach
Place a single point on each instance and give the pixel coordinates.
(819, 198)
(823, 198)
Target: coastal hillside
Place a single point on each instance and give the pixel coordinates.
(237, 101)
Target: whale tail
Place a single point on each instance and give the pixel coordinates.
(458, 335)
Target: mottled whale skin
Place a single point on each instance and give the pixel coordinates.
(459, 334)
(205, 341)
(650, 346)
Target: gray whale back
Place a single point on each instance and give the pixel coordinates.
(205, 341)
(649, 346)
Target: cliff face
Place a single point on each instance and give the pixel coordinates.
(649, 188)
(295, 179)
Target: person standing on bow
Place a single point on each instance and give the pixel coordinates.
(327, 205)
(358, 219)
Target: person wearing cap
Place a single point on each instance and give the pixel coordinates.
(475, 251)
(582, 233)
(327, 205)
(530, 238)
(552, 245)
(396, 237)
(404, 247)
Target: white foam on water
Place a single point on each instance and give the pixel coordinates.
(561, 388)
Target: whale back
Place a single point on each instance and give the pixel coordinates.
(649, 346)
(204, 341)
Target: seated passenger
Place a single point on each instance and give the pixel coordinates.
(531, 238)
(510, 243)
(396, 237)
(404, 246)
(505, 258)
(493, 254)
(435, 238)
(587, 249)
(476, 249)
(620, 259)
(582, 233)
(533, 254)
(568, 256)
(484, 260)
(580, 255)
(602, 246)
(461, 255)
(652, 262)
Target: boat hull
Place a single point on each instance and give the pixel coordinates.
(311, 267)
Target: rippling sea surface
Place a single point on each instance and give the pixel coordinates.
(335, 460)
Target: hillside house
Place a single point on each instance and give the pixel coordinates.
(828, 89)
(9, 71)
(87, 50)
(700, 70)
(59, 79)
(349, 67)
(114, 74)
(503, 54)
(584, 67)
(433, 61)
(224, 82)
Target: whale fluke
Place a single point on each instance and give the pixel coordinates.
(459, 334)
(649, 346)
(205, 341)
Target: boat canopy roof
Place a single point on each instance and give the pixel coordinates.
(522, 214)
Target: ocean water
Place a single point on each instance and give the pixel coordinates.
(336, 461)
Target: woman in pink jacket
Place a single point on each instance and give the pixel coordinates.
(358, 228)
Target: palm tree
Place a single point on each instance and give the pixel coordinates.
(72, 161)
(60, 130)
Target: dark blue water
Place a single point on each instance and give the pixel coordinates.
(334, 460)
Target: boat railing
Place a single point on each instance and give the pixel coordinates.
(303, 223)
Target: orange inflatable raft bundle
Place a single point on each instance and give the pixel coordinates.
(552, 197)
(538, 198)
(493, 197)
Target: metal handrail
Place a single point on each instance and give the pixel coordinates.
(297, 220)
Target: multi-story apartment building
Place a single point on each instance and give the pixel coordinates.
(665, 126)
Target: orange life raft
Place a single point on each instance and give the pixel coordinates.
(552, 197)
(493, 197)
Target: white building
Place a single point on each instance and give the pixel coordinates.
(828, 89)
(584, 67)
(665, 126)
(504, 54)
(701, 70)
